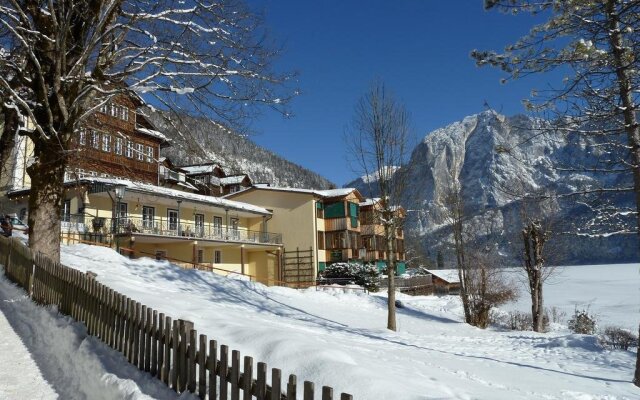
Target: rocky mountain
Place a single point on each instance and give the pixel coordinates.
(201, 140)
(495, 160)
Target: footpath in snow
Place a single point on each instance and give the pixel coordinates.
(340, 340)
(44, 355)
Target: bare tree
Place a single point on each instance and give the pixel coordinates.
(378, 140)
(206, 57)
(483, 285)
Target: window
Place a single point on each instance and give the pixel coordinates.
(118, 147)
(95, 139)
(234, 228)
(66, 211)
(148, 215)
(23, 215)
(217, 257)
(319, 210)
(129, 149)
(234, 188)
(121, 213)
(104, 108)
(124, 113)
(320, 240)
(140, 151)
(200, 257)
(199, 222)
(217, 226)
(172, 216)
(106, 142)
(83, 138)
(149, 153)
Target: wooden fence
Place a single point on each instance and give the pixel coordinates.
(171, 350)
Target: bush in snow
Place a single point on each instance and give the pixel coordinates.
(518, 321)
(555, 315)
(365, 275)
(583, 322)
(617, 338)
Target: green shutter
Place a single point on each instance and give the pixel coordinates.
(381, 265)
(353, 209)
(401, 268)
(321, 266)
(354, 222)
(319, 205)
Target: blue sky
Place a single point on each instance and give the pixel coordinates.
(420, 49)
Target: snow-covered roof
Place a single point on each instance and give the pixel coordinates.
(178, 194)
(449, 275)
(320, 193)
(200, 169)
(153, 133)
(369, 202)
(232, 180)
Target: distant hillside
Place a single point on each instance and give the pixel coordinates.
(200, 140)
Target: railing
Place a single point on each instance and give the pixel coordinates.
(338, 224)
(168, 349)
(205, 231)
(73, 224)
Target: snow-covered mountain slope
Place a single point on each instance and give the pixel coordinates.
(339, 339)
(495, 160)
(200, 140)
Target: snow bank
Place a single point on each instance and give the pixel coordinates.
(58, 360)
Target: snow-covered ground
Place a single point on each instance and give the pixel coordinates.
(610, 292)
(44, 355)
(339, 339)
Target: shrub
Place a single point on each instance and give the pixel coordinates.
(365, 275)
(518, 321)
(583, 322)
(555, 315)
(617, 338)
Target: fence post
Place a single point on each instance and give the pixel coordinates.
(308, 390)
(247, 379)
(292, 387)
(202, 367)
(276, 384)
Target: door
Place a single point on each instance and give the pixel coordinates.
(148, 215)
(172, 217)
(235, 232)
(217, 227)
(199, 222)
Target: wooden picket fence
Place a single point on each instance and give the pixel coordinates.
(169, 349)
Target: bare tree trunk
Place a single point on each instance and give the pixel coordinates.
(8, 138)
(629, 112)
(45, 199)
(461, 262)
(534, 238)
(391, 273)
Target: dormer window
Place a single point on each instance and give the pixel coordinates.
(116, 111)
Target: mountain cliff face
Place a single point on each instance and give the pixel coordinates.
(200, 140)
(494, 160)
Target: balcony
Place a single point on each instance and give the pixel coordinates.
(165, 228)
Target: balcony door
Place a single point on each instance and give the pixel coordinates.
(217, 226)
(235, 232)
(148, 215)
(199, 222)
(172, 217)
